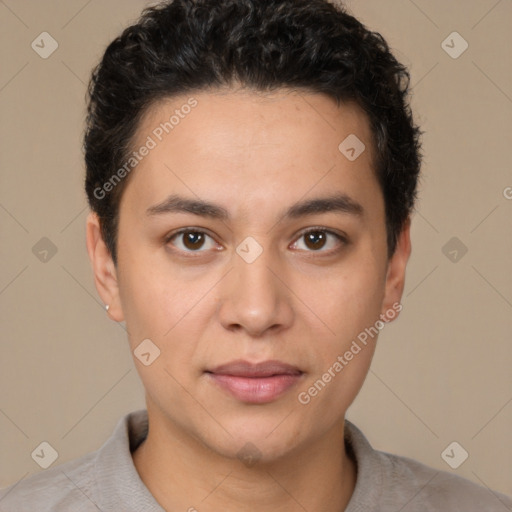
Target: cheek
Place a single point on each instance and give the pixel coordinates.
(171, 312)
(353, 307)
(350, 300)
(152, 294)
(343, 359)
(144, 305)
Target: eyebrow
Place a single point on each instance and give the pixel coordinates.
(340, 203)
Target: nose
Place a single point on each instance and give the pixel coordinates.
(253, 298)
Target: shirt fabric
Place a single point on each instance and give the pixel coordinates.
(106, 480)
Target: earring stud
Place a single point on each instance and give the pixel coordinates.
(107, 307)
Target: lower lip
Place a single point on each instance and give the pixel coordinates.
(256, 390)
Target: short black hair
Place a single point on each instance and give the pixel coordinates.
(181, 46)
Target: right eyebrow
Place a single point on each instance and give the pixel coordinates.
(179, 204)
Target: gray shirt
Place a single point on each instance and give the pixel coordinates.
(107, 481)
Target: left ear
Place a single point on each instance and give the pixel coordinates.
(395, 278)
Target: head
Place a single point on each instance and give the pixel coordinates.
(279, 135)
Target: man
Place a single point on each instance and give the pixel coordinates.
(251, 171)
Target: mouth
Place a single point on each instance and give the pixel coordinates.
(255, 383)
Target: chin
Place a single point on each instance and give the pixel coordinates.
(256, 438)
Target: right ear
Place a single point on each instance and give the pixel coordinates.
(105, 272)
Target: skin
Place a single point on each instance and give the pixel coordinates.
(255, 155)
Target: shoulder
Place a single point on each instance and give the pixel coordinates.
(61, 488)
(428, 489)
(105, 479)
(388, 482)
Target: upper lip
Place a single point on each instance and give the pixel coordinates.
(242, 368)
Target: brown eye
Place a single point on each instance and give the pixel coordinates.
(315, 239)
(320, 240)
(192, 240)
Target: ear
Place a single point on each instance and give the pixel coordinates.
(105, 272)
(395, 278)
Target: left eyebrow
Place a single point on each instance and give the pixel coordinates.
(336, 203)
(340, 203)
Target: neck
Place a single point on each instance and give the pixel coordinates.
(183, 474)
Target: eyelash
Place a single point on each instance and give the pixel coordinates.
(193, 254)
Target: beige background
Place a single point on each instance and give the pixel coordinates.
(441, 373)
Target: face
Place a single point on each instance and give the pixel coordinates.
(258, 301)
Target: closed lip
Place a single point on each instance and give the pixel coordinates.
(241, 368)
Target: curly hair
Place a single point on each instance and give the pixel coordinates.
(181, 46)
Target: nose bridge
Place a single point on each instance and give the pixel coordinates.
(252, 268)
(253, 297)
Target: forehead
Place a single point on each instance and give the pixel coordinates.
(259, 148)
(244, 119)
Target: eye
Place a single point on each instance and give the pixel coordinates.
(316, 239)
(192, 240)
